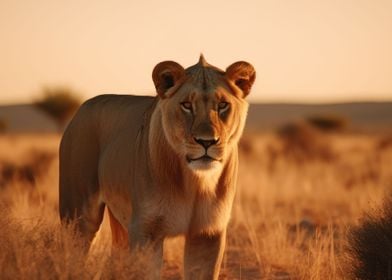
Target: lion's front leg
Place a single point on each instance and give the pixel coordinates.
(203, 256)
(150, 246)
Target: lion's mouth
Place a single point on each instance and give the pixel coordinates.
(205, 158)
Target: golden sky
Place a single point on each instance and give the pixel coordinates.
(303, 50)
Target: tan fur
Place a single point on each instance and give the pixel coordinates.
(142, 157)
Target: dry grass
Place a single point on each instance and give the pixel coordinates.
(294, 209)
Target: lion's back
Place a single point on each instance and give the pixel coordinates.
(104, 116)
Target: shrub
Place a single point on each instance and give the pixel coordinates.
(370, 245)
(3, 126)
(384, 143)
(59, 103)
(328, 122)
(36, 166)
(301, 142)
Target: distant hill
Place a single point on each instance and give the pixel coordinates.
(367, 116)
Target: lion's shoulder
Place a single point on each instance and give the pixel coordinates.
(115, 109)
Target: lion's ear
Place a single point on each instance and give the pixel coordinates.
(166, 75)
(242, 74)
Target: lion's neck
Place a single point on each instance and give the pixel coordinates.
(205, 181)
(167, 169)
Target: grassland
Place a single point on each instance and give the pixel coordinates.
(298, 196)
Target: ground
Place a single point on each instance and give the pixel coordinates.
(298, 197)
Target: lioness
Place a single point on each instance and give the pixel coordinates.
(163, 166)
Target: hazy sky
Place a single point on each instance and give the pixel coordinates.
(303, 50)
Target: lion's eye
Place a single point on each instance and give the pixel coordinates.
(223, 106)
(186, 106)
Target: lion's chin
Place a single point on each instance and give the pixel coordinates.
(204, 163)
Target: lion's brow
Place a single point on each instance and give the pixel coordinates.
(204, 76)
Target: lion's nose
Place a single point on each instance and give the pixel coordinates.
(206, 143)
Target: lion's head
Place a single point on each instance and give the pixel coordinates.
(203, 109)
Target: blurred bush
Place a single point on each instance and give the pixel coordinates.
(36, 166)
(60, 103)
(3, 126)
(301, 142)
(328, 122)
(384, 143)
(370, 245)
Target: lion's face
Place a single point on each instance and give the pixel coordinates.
(201, 125)
(203, 111)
